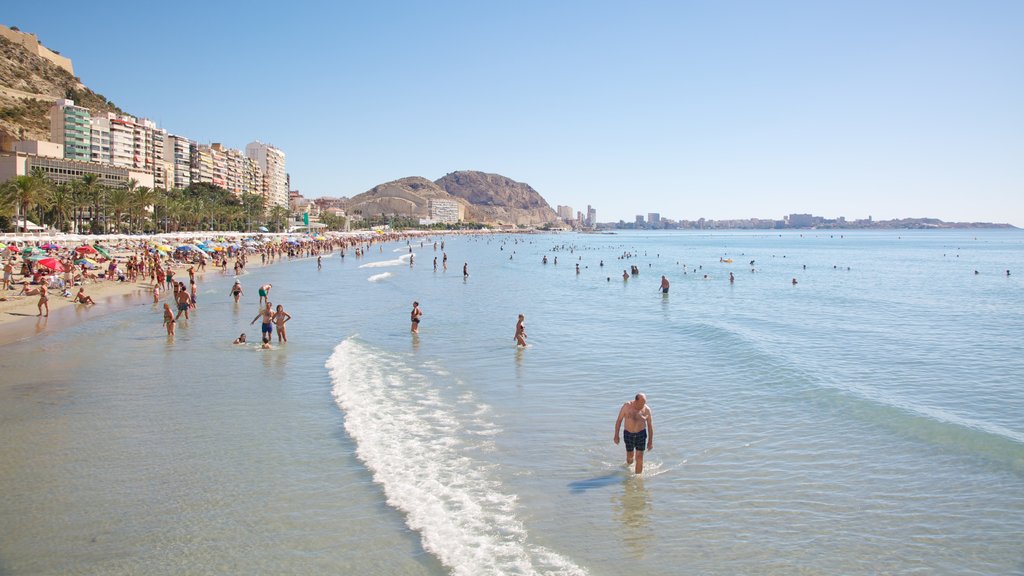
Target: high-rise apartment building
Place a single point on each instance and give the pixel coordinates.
(202, 164)
(591, 216)
(564, 212)
(275, 179)
(99, 146)
(69, 127)
(177, 151)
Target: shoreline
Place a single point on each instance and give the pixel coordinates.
(18, 314)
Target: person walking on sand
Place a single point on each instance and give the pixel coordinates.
(268, 318)
(236, 290)
(9, 273)
(520, 336)
(664, 285)
(168, 319)
(280, 317)
(415, 317)
(265, 294)
(639, 429)
(43, 301)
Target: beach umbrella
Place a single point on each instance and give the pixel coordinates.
(264, 229)
(36, 257)
(50, 246)
(185, 248)
(85, 249)
(163, 248)
(12, 248)
(52, 264)
(86, 262)
(29, 250)
(101, 250)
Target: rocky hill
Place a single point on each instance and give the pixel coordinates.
(494, 198)
(488, 198)
(404, 197)
(28, 86)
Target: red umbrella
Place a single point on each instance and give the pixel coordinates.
(86, 249)
(52, 264)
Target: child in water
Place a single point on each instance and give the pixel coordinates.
(240, 339)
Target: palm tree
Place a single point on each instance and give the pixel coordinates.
(142, 198)
(90, 196)
(253, 205)
(278, 214)
(119, 201)
(62, 203)
(25, 192)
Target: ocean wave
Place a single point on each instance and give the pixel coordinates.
(403, 259)
(379, 277)
(419, 445)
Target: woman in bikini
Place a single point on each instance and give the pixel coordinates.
(280, 317)
(415, 317)
(43, 301)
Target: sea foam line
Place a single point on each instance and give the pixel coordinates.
(419, 447)
(386, 263)
(379, 277)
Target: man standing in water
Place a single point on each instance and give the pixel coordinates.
(664, 285)
(267, 327)
(639, 429)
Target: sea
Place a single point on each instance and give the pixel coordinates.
(867, 418)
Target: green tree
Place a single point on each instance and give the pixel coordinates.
(142, 198)
(119, 201)
(25, 193)
(61, 203)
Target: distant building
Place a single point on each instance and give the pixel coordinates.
(62, 170)
(69, 127)
(654, 219)
(178, 151)
(591, 216)
(564, 212)
(275, 180)
(445, 210)
(39, 148)
(639, 220)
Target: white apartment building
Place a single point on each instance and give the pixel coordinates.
(99, 147)
(177, 151)
(275, 177)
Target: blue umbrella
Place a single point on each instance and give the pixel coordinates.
(264, 229)
(185, 248)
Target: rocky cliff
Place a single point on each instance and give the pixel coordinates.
(29, 84)
(494, 198)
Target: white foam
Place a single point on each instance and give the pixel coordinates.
(419, 443)
(403, 259)
(379, 277)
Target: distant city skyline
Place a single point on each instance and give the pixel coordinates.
(694, 110)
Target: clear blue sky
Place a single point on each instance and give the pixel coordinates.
(712, 109)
